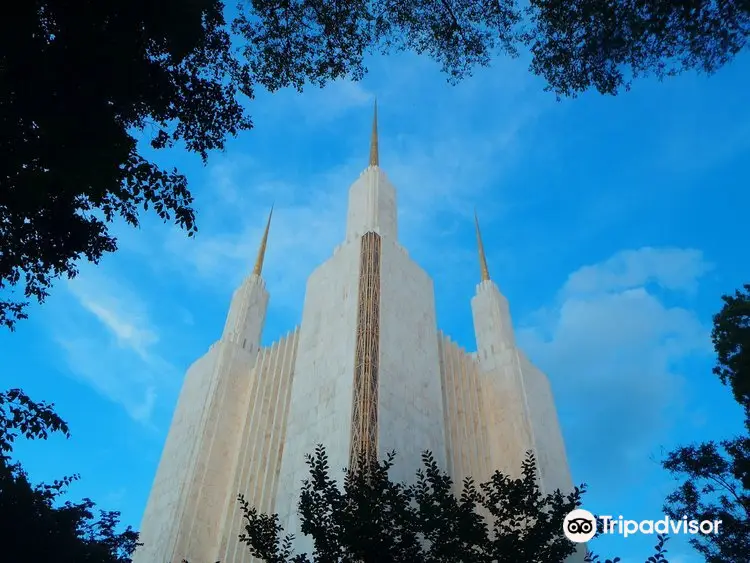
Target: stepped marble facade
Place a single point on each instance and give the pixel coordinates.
(366, 370)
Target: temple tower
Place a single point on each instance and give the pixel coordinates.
(366, 372)
(518, 406)
(367, 364)
(185, 510)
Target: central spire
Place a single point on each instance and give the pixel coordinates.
(374, 156)
(372, 198)
(482, 258)
(262, 250)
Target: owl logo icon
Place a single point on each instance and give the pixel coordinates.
(579, 525)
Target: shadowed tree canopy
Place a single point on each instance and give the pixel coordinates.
(575, 45)
(716, 475)
(78, 80)
(731, 338)
(81, 80)
(36, 526)
(372, 519)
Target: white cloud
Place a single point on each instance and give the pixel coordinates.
(674, 269)
(335, 100)
(110, 372)
(119, 361)
(119, 310)
(319, 105)
(613, 350)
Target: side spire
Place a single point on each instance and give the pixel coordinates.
(262, 250)
(374, 156)
(482, 258)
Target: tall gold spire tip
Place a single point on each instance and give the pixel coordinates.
(262, 250)
(482, 258)
(374, 156)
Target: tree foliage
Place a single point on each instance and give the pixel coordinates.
(372, 519)
(731, 338)
(575, 45)
(716, 475)
(36, 525)
(78, 81)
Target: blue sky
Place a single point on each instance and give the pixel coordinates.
(613, 225)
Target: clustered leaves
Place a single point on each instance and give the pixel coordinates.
(368, 518)
(731, 339)
(715, 476)
(575, 45)
(36, 526)
(580, 44)
(716, 486)
(21, 416)
(373, 519)
(78, 82)
(659, 556)
(300, 41)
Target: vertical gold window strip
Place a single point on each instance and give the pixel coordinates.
(443, 347)
(364, 433)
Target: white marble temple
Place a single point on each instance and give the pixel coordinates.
(247, 415)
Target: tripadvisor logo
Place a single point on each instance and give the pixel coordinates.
(580, 526)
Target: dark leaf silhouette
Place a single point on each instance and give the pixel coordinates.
(715, 476)
(372, 519)
(36, 525)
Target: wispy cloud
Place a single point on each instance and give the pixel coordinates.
(674, 269)
(116, 353)
(119, 310)
(318, 106)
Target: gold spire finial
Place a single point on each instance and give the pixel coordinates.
(262, 250)
(482, 257)
(374, 156)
